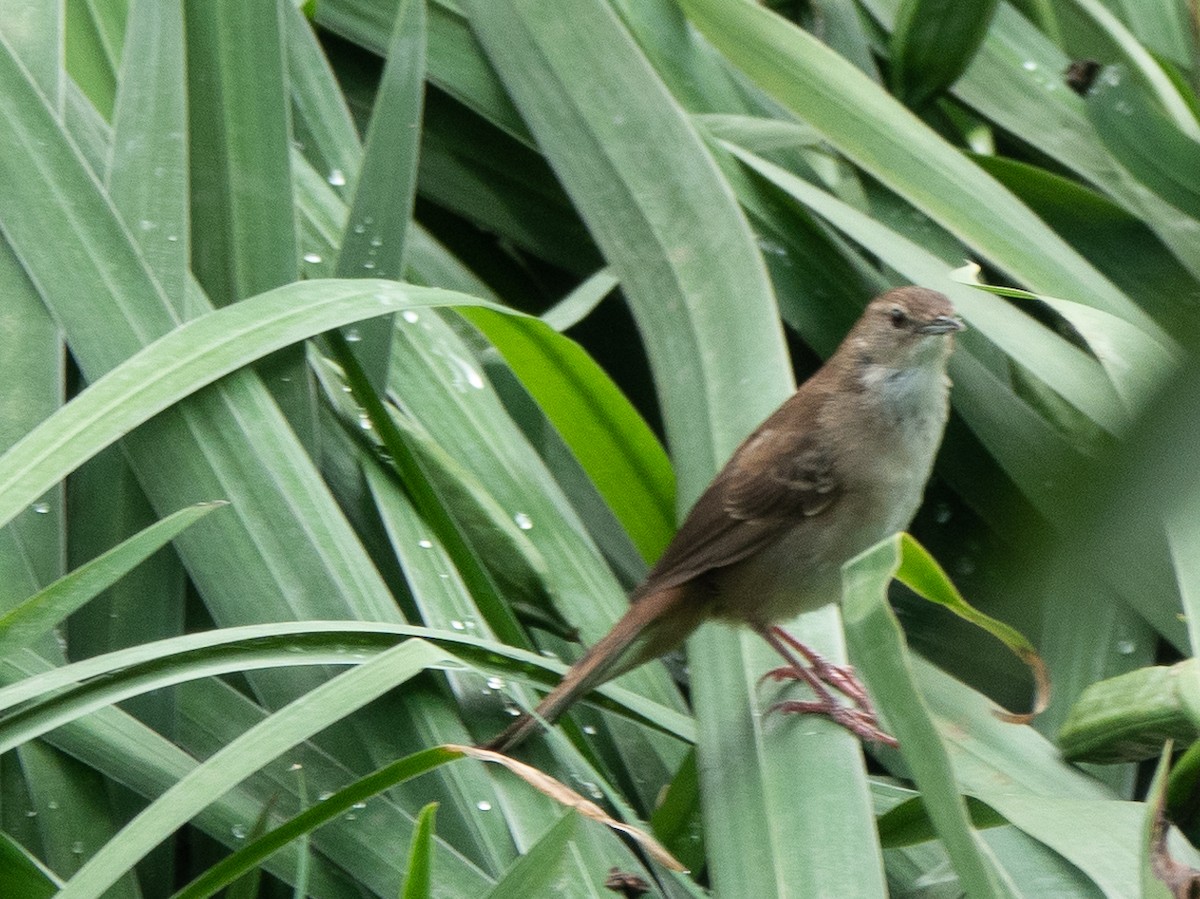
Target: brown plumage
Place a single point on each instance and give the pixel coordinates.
(839, 466)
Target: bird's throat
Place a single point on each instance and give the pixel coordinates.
(909, 393)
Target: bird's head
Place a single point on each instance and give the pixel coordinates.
(905, 327)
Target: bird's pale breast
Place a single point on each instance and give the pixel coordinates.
(882, 482)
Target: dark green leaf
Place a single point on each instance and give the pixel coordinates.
(418, 881)
(933, 42)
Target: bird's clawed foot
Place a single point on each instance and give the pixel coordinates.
(860, 722)
(841, 677)
(819, 674)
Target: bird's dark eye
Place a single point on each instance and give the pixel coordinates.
(898, 316)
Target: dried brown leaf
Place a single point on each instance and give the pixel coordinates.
(563, 794)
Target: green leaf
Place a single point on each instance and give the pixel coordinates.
(418, 880)
(1017, 83)
(373, 242)
(110, 306)
(423, 471)
(31, 361)
(611, 441)
(35, 616)
(105, 507)
(1154, 837)
(1129, 717)
(682, 251)
(1023, 777)
(541, 871)
(247, 887)
(457, 63)
(1118, 242)
(908, 823)
(192, 356)
(322, 121)
(119, 675)
(373, 839)
(148, 124)
(93, 38)
(36, 33)
(242, 215)
(581, 301)
(21, 874)
(933, 42)
(666, 221)
(485, 533)
(879, 135)
(435, 375)
(1099, 838)
(1145, 140)
(329, 809)
(558, 142)
(1091, 28)
(1137, 362)
(1055, 361)
(127, 752)
(293, 724)
(877, 645)
(677, 821)
(501, 185)
(243, 220)
(921, 573)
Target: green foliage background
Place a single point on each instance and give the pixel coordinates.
(338, 345)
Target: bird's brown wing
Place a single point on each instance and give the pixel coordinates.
(776, 479)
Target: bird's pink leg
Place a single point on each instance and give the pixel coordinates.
(841, 677)
(819, 673)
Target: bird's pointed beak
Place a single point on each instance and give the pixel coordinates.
(943, 324)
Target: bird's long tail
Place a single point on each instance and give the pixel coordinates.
(607, 658)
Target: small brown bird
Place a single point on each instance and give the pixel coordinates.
(841, 465)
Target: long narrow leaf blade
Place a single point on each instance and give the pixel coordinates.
(877, 133)
(194, 355)
(42, 611)
(876, 642)
(294, 723)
